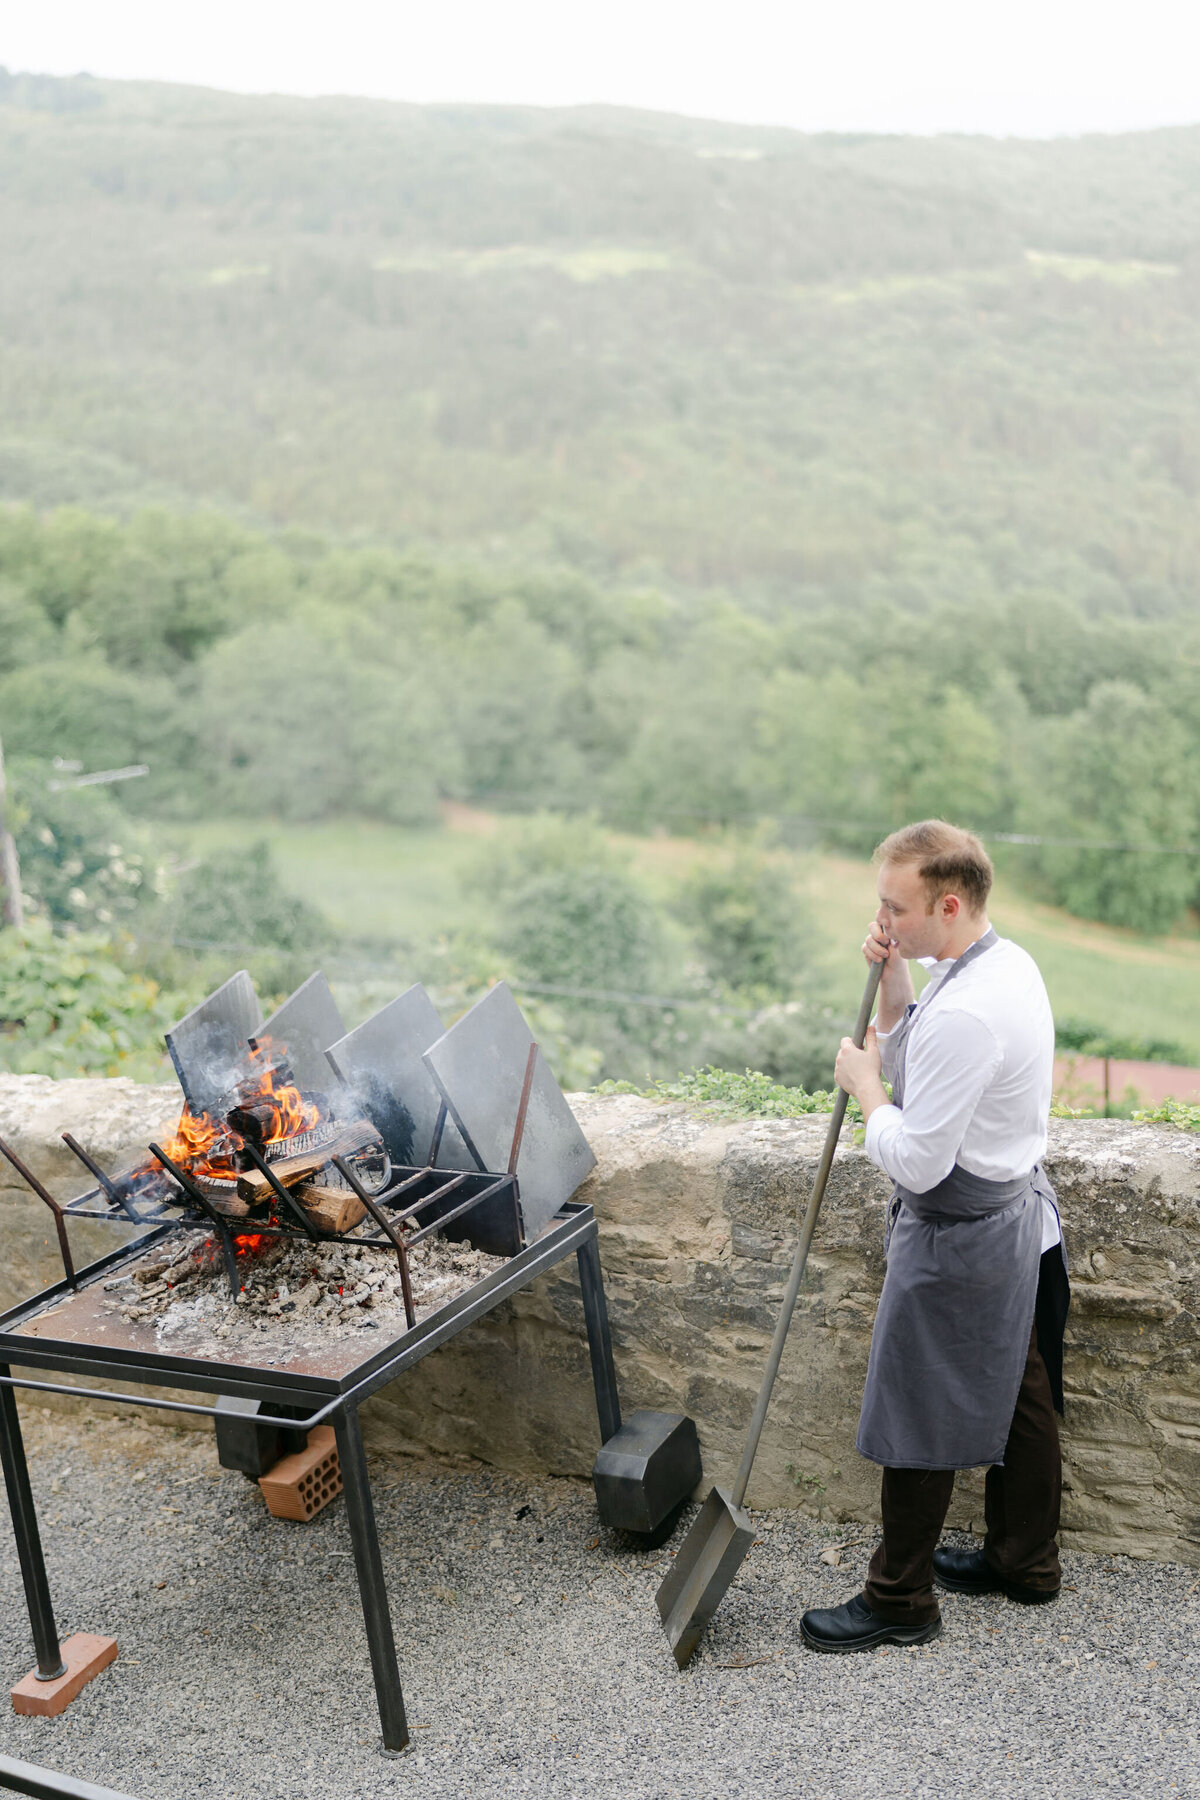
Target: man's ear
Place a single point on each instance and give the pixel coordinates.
(951, 906)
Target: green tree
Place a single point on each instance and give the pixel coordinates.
(1121, 772)
(85, 711)
(514, 690)
(691, 758)
(234, 900)
(750, 925)
(26, 633)
(317, 714)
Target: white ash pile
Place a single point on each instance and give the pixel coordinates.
(293, 1290)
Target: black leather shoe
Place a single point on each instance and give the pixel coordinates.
(969, 1572)
(854, 1626)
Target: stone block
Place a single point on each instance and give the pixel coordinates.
(697, 1218)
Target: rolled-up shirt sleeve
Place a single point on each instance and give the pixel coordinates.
(951, 1059)
(889, 1043)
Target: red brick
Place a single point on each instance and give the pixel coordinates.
(85, 1655)
(300, 1485)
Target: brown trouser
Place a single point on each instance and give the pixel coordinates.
(1021, 1503)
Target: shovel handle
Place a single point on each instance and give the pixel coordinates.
(801, 1256)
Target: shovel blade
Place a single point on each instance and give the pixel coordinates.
(707, 1561)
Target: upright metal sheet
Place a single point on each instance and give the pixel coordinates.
(480, 1067)
(300, 1028)
(209, 1043)
(381, 1064)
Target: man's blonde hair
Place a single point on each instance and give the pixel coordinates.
(949, 861)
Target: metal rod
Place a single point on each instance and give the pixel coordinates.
(595, 1313)
(438, 1193)
(401, 1187)
(31, 1179)
(368, 1565)
(281, 1193)
(385, 1225)
(457, 1211)
(50, 1664)
(220, 1224)
(110, 1187)
(18, 1777)
(522, 1109)
(801, 1257)
(464, 1134)
(185, 1406)
(439, 1126)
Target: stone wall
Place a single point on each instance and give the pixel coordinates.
(697, 1222)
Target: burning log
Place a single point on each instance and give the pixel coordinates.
(289, 1171)
(332, 1208)
(257, 1120)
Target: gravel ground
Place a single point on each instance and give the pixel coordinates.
(532, 1656)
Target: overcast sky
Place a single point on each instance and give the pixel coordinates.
(1028, 67)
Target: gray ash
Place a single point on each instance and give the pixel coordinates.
(294, 1293)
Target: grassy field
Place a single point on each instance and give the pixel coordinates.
(400, 885)
(1141, 986)
(376, 881)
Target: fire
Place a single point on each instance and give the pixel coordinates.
(202, 1142)
(288, 1112)
(207, 1145)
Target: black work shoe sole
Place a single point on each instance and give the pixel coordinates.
(882, 1634)
(1027, 1596)
(1023, 1596)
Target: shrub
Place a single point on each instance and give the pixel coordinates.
(751, 927)
(234, 900)
(68, 1008)
(722, 1093)
(84, 863)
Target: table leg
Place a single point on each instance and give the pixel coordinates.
(595, 1313)
(369, 1567)
(50, 1664)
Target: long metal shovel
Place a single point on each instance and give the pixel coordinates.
(721, 1533)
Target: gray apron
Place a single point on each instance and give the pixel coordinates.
(955, 1316)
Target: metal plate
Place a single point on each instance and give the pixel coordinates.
(646, 1470)
(705, 1564)
(208, 1044)
(300, 1028)
(480, 1067)
(381, 1064)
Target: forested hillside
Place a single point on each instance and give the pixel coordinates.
(861, 367)
(598, 459)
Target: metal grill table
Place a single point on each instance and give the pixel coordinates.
(64, 1331)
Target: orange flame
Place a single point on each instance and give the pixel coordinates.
(193, 1140)
(290, 1111)
(205, 1145)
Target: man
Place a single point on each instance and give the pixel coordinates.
(966, 1355)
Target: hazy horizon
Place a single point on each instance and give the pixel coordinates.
(938, 70)
(459, 100)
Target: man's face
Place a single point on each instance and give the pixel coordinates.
(904, 911)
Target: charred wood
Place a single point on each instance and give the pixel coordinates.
(253, 1185)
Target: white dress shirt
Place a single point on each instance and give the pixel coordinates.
(978, 1073)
